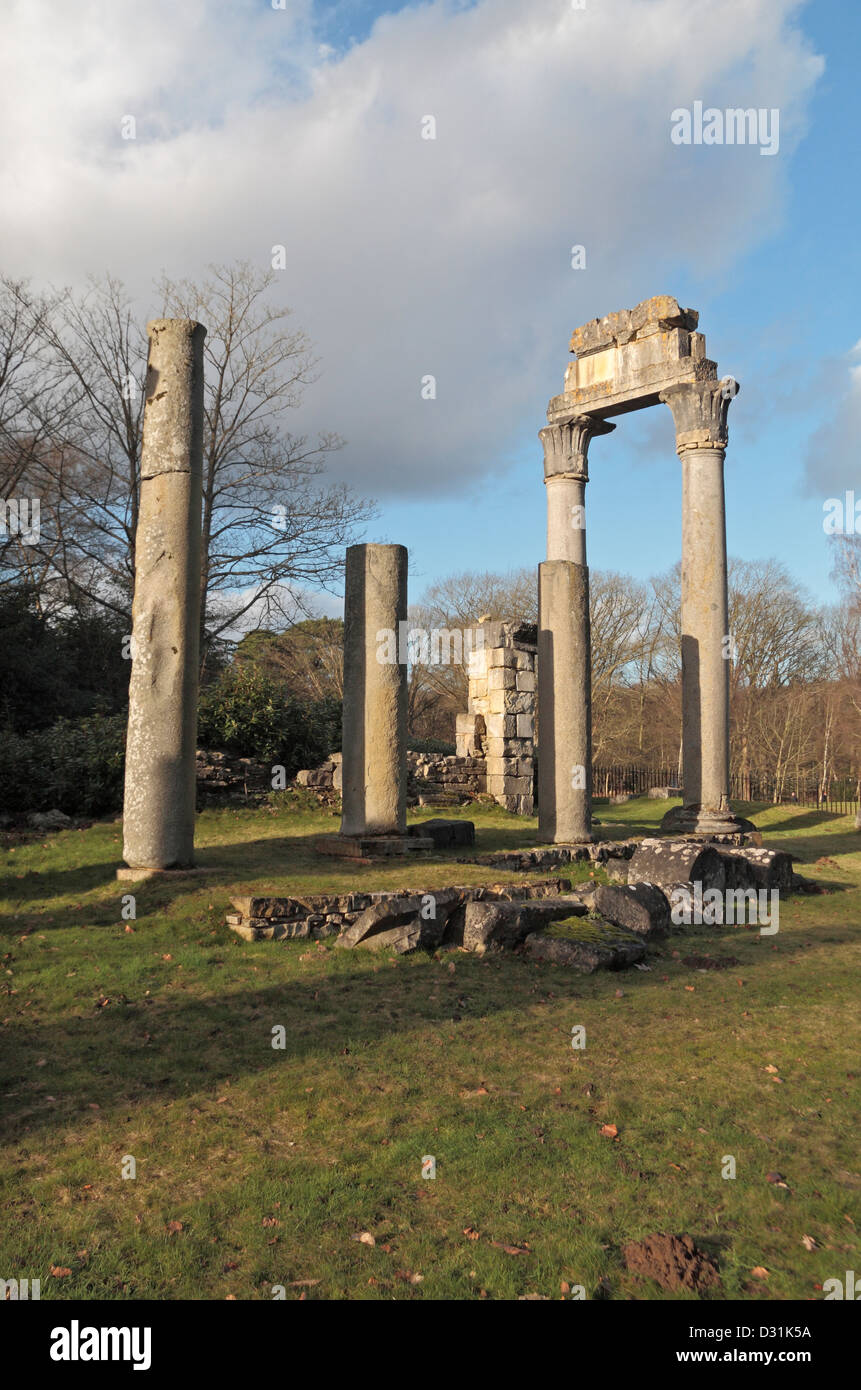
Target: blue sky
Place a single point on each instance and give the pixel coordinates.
(783, 319)
(451, 257)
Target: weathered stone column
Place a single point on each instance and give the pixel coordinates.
(700, 414)
(564, 655)
(375, 692)
(564, 703)
(566, 474)
(159, 805)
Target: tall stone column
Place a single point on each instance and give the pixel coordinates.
(564, 655)
(566, 474)
(375, 692)
(564, 703)
(700, 414)
(159, 804)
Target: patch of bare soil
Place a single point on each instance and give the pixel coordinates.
(674, 1262)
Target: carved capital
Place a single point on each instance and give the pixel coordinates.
(566, 446)
(699, 411)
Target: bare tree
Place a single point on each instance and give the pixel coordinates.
(272, 525)
(29, 411)
(270, 529)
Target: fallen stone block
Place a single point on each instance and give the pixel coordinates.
(381, 917)
(670, 862)
(500, 925)
(49, 820)
(769, 868)
(446, 833)
(400, 939)
(582, 955)
(638, 907)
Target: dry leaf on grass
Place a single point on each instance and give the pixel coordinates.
(511, 1249)
(609, 1131)
(810, 1243)
(759, 1272)
(777, 1180)
(470, 1232)
(303, 1283)
(59, 1272)
(364, 1238)
(173, 1227)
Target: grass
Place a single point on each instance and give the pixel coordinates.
(156, 1042)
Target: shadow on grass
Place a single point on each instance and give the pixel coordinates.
(168, 1046)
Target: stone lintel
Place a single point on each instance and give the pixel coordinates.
(629, 377)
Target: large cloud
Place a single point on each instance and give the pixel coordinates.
(831, 461)
(405, 256)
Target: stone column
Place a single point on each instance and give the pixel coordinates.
(159, 805)
(566, 474)
(700, 414)
(374, 794)
(564, 703)
(564, 654)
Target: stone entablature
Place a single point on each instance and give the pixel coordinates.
(625, 360)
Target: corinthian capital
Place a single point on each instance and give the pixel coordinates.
(699, 411)
(566, 446)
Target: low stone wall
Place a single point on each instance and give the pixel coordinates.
(432, 779)
(319, 915)
(224, 777)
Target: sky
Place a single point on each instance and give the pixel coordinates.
(301, 125)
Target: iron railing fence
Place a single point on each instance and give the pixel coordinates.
(838, 795)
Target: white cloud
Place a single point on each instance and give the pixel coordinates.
(832, 464)
(405, 256)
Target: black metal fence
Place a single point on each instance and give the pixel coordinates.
(838, 795)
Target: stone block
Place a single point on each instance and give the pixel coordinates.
(476, 663)
(639, 907)
(583, 956)
(525, 680)
(446, 833)
(525, 725)
(501, 678)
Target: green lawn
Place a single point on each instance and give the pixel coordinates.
(157, 1043)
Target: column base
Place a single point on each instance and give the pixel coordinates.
(371, 846)
(130, 875)
(701, 820)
